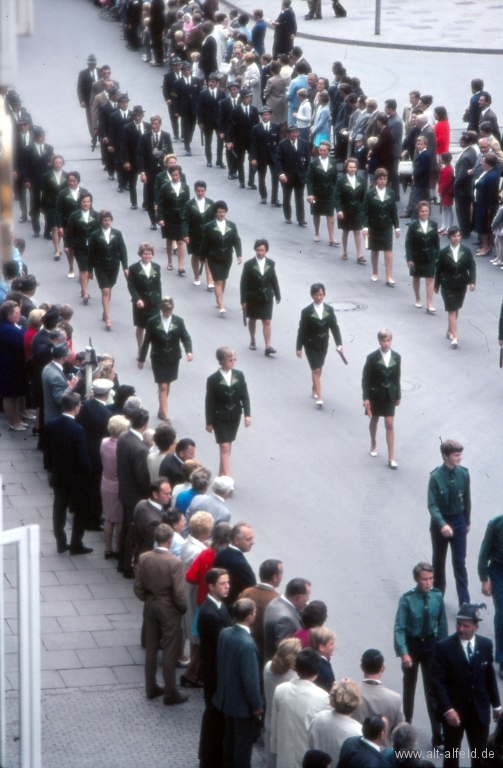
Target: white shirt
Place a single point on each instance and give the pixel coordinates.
(166, 321)
(75, 192)
(124, 114)
(227, 376)
(381, 192)
(294, 145)
(139, 127)
(424, 225)
(218, 603)
(138, 434)
(147, 267)
(85, 214)
(352, 180)
(386, 356)
(267, 126)
(464, 643)
(177, 185)
(221, 226)
(261, 264)
(106, 233)
(324, 163)
(455, 252)
(318, 308)
(40, 149)
(58, 366)
(58, 175)
(201, 204)
(156, 506)
(69, 415)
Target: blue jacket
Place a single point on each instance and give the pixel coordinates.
(238, 686)
(291, 95)
(258, 36)
(421, 170)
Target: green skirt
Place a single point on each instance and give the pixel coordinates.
(164, 372)
(453, 299)
(220, 269)
(381, 239)
(225, 432)
(257, 311)
(107, 277)
(315, 357)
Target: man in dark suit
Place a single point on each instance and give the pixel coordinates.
(365, 751)
(225, 108)
(94, 417)
(27, 288)
(152, 147)
(464, 687)
(233, 560)
(238, 694)
(134, 482)
(488, 115)
(118, 121)
(208, 61)
(240, 126)
(157, 22)
(270, 575)
(472, 113)
(185, 104)
(67, 457)
(168, 91)
(283, 616)
(171, 466)
(207, 117)
(463, 182)
(292, 161)
(17, 111)
(148, 514)
(131, 135)
(104, 115)
(21, 142)
(37, 159)
(213, 618)
(87, 78)
(265, 138)
(285, 29)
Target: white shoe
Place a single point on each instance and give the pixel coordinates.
(71, 274)
(454, 343)
(418, 305)
(319, 403)
(197, 282)
(497, 263)
(210, 287)
(221, 311)
(374, 278)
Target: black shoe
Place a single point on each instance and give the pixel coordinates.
(180, 698)
(209, 164)
(437, 740)
(288, 221)
(23, 219)
(186, 683)
(153, 226)
(220, 165)
(134, 207)
(80, 550)
(47, 236)
(276, 203)
(128, 574)
(269, 351)
(63, 548)
(158, 692)
(111, 178)
(233, 176)
(120, 189)
(241, 186)
(252, 186)
(264, 201)
(109, 555)
(302, 223)
(308, 17)
(36, 234)
(144, 206)
(126, 187)
(188, 153)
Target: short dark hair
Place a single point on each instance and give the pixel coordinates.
(70, 401)
(315, 758)
(317, 287)
(302, 68)
(213, 575)
(441, 113)
(83, 196)
(260, 242)
(164, 436)
(297, 51)
(477, 83)
(423, 566)
(372, 661)
(446, 157)
(155, 485)
(453, 230)
(307, 663)
(314, 614)
(173, 516)
(200, 183)
(391, 104)
(76, 174)
(220, 204)
(243, 19)
(268, 570)
(183, 444)
(426, 99)
(491, 159)
(373, 726)
(450, 446)
(487, 97)
(122, 393)
(163, 533)
(383, 118)
(297, 587)
(242, 609)
(139, 418)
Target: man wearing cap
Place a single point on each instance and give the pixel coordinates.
(207, 117)
(131, 135)
(241, 123)
(94, 417)
(224, 116)
(265, 138)
(292, 162)
(104, 116)
(465, 687)
(87, 78)
(17, 111)
(490, 568)
(185, 104)
(55, 383)
(38, 160)
(21, 145)
(152, 147)
(118, 121)
(168, 91)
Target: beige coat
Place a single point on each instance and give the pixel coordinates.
(275, 98)
(378, 700)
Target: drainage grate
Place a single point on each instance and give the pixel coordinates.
(348, 305)
(409, 386)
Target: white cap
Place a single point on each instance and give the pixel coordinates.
(102, 386)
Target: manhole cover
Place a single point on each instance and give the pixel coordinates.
(348, 305)
(410, 386)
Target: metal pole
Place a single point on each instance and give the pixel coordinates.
(378, 18)
(3, 755)
(34, 615)
(24, 649)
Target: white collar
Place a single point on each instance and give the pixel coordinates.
(261, 264)
(58, 365)
(69, 415)
(221, 226)
(318, 308)
(381, 193)
(138, 434)
(162, 549)
(231, 546)
(156, 505)
(246, 629)
(217, 602)
(371, 744)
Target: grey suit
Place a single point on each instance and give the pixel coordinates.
(281, 620)
(54, 386)
(378, 700)
(210, 502)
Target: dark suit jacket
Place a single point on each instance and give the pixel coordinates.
(490, 117)
(283, 33)
(238, 687)
(240, 127)
(356, 754)
(281, 620)
(210, 622)
(462, 180)
(193, 223)
(225, 108)
(67, 452)
(132, 469)
(66, 205)
(315, 333)
(293, 164)
(380, 382)
(258, 32)
(161, 179)
(170, 205)
(319, 183)
(384, 149)
(165, 346)
(168, 89)
(85, 82)
(257, 288)
(218, 247)
(223, 403)
(500, 325)
(208, 61)
(159, 578)
(146, 518)
(129, 143)
(186, 96)
(26, 305)
(241, 574)
(147, 162)
(103, 255)
(431, 144)
(94, 417)
(105, 113)
(78, 231)
(116, 127)
(379, 214)
(143, 288)
(208, 108)
(264, 144)
(261, 595)
(459, 685)
(452, 275)
(347, 199)
(422, 248)
(421, 169)
(51, 189)
(171, 467)
(473, 113)
(37, 165)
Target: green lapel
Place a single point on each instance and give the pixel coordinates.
(391, 361)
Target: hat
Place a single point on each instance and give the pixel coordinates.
(244, 93)
(60, 350)
(214, 76)
(102, 386)
(176, 60)
(52, 314)
(359, 137)
(38, 130)
(124, 97)
(264, 110)
(13, 97)
(138, 110)
(470, 612)
(186, 65)
(292, 127)
(29, 283)
(24, 120)
(113, 90)
(91, 59)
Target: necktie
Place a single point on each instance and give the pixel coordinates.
(156, 136)
(426, 630)
(233, 103)
(139, 128)
(267, 126)
(25, 139)
(246, 111)
(470, 652)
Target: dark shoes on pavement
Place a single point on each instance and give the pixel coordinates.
(180, 698)
(80, 550)
(158, 692)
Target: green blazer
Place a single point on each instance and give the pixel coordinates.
(409, 619)
(218, 247)
(169, 205)
(379, 214)
(66, 205)
(422, 247)
(193, 223)
(314, 332)
(443, 504)
(165, 346)
(106, 256)
(347, 199)
(51, 189)
(162, 178)
(78, 231)
(257, 288)
(319, 183)
(380, 382)
(147, 289)
(224, 403)
(452, 275)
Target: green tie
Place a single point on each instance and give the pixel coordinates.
(470, 652)
(426, 631)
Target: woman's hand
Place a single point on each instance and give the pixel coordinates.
(61, 231)
(410, 264)
(366, 403)
(299, 353)
(189, 357)
(186, 240)
(397, 402)
(243, 306)
(209, 427)
(240, 260)
(247, 421)
(126, 272)
(472, 287)
(140, 304)
(397, 233)
(340, 215)
(140, 365)
(310, 198)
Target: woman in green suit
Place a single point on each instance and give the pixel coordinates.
(320, 180)
(349, 196)
(81, 225)
(316, 322)
(220, 239)
(259, 287)
(379, 217)
(67, 202)
(53, 182)
(173, 196)
(144, 285)
(455, 271)
(422, 245)
(107, 252)
(164, 178)
(165, 332)
(226, 398)
(197, 213)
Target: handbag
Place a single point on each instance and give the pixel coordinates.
(405, 168)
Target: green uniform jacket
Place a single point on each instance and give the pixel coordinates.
(347, 199)
(223, 403)
(438, 494)
(218, 247)
(315, 333)
(422, 247)
(491, 550)
(170, 206)
(193, 223)
(410, 614)
(380, 382)
(78, 231)
(143, 288)
(257, 288)
(380, 214)
(165, 346)
(455, 275)
(51, 189)
(163, 178)
(103, 255)
(66, 205)
(319, 183)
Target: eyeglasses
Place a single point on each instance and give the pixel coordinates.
(231, 359)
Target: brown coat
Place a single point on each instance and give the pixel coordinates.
(146, 518)
(275, 98)
(100, 99)
(160, 578)
(261, 596)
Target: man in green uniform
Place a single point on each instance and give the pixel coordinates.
(449, 503)
(490, 569)
(420, 621)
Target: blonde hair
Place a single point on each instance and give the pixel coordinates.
(223, 353)
(107, 370)
(35, 318)
(285, 656)
(117, 425)
(320, 636)
(201, 523)
(249, 56)
(345, 697)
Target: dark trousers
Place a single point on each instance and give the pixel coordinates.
(122, 175)
(262, 171)
(21, 195)
(238, 741)
(421, 653)
(417, 194)
(107, 158)
(458, 554)
(240, 163)
(298, 189)
(157, 48)
(188, 125)
(211, 742)
(67, 495)
(208, 142)
(133, 181)
(162, 622)
(149, 197)
(174, 121)
(463, 213)
(395, 179)
(496, 577)
(232, 162)
(125, 543)
(477, 734)
(36, 199)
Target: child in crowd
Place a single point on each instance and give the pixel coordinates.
(372, 159)
(322, 640)
(303, 115)
(446, 191)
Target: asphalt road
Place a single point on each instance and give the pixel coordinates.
(304, 478)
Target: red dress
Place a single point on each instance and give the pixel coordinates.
(443, 133)
(28, 338)
(197, 571)
(446, 185)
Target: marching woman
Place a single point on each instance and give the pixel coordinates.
(349, 197)
(220, 239)
(107, 253)
(382, 391)
(316, 322)
(81, 225)
(455, 271)
(259, 288)
(67, 202)
(320, 181)
(171, 201)
(422, 245)
(379, 217)
(164, 333)
(197, 213)
(226, 398)
(144, 285)
(53, 182)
